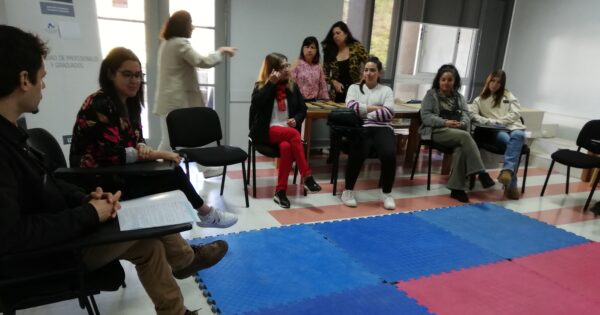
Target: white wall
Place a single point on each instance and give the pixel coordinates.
(552, 60)
(259, 27)
(72, 65)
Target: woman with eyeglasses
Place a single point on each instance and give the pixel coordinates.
(277, 110)
(446, 122)
(108, 131)
(177, 85)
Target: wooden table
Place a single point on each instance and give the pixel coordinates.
(400, 111)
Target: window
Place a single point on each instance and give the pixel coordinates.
(113, 18)
(423, 49)
(203, 39)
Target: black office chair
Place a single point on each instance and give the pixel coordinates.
(430, 146)
(482, 136)
(341, 140)
(192, 128)
(588, 139)
(267, 150)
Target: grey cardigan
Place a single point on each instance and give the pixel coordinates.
(430, 114)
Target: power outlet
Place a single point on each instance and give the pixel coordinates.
(67, 139)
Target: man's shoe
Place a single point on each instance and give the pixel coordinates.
(348, 198)
(512, 193)
(459, 195)
(217, 218)
(205, 256)
(209, 172)
(486, 180)
(388, 201)
(281, 199)
(188, 312)
(310, 184)
(505, 177)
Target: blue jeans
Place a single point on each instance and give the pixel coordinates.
(512, 142)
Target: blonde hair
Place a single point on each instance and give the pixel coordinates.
(271, 61)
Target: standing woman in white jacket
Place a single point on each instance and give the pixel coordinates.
(497, 106)
(177, 85)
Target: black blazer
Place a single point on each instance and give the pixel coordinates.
(261, 109)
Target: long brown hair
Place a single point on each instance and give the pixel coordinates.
(178, 25)
(272, 61)
(486, 92)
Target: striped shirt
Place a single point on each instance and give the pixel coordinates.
(380, 95)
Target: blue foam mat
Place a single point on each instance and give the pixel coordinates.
(402, 246)
(382, 299)
(275, 266)
(500, 230)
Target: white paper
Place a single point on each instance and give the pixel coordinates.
(69, 30)
(156, 210)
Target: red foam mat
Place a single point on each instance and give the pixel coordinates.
(502, 288)
(575, 268)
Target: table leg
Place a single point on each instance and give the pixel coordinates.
(412, 143)
(307, 135)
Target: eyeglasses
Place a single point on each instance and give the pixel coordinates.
(284, 66)
(129, 75)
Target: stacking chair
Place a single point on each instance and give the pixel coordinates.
(430, 146)
(267, 150)
(190, 129)
(483, 143)
(588, 138)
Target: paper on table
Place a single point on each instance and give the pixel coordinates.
(156, 210)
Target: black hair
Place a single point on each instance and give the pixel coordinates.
(307, 42)
(113, 61)
(20, 51)
(330, 49)
(443, 69)
(379, 65)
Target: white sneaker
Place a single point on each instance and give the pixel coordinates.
(388, 201)
(212, 172)
(348, 198)
(217, 218)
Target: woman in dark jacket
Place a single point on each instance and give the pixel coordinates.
(276, 112)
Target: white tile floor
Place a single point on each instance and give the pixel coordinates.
(133, 300)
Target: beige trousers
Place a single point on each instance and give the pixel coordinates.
(154, 260)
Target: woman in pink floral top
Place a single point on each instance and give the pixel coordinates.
(308, 73)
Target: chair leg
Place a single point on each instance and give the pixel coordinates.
(245, 185)
(429, 170)
(94, 305)
(412, 174)
(525, 173)
(253, 172)
(295, 173)
(568, 176)
(249, 154)
(547, 177)
(589, 199)
(335, 163)
(472, 178)
(223, 179)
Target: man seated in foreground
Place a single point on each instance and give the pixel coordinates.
(38, 211)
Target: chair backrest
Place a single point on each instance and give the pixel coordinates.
(589, 132)
(193, 127)
(44, 142)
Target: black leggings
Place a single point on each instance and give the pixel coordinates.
(135, 186)
(383, 142)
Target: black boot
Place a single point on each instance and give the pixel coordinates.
(459, 195)
(281, 199)
(486, 180)
(311, 184)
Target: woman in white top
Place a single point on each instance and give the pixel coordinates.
(374, 103)
(497, 106)
(177, 85)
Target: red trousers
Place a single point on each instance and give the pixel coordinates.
(290, 149)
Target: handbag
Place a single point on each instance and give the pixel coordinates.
(345, 117)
